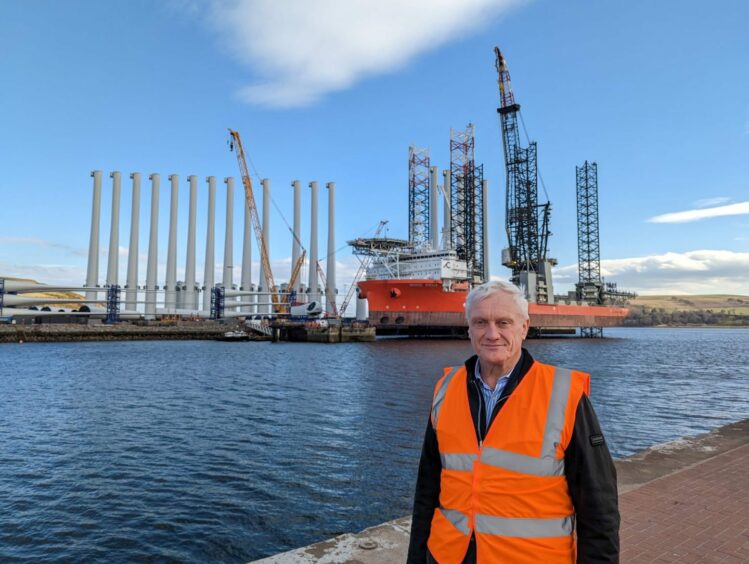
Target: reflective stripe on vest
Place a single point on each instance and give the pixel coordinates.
(440, 395)
(457, 518)
(560, 391)
(547, 464)
(522, 463)
(524, 528)
(455, 461)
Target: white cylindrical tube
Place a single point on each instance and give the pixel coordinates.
(170, 297)
(92, 272)
(153, 249)
(210, 245)
(246, 279)
(266, 237)
(330, 291)
(434, 236)
(313, 285)
(446, 214)
(229, 235)
(114, 231)
(362, 308)
(190, 298)
(131, 293)
(296, 247)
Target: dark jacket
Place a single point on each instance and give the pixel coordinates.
(590, 472)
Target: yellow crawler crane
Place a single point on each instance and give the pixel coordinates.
(235, 144)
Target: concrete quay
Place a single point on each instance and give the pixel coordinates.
(76, 332)
(684, 501)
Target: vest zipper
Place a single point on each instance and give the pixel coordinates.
(472, 517)
(478, 419)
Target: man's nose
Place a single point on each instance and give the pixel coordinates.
(492, 331)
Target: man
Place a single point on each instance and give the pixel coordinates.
(514, 466)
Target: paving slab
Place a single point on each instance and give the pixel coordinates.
(683, 501)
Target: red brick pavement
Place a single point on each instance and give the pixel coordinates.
(700, 514)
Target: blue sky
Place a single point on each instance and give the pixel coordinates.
(656, 93)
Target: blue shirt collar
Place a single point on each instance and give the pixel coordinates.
(477, 375)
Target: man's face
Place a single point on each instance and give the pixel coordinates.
(497, 329)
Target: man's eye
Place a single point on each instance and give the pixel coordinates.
(479, 323)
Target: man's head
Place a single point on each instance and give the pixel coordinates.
(497, 314)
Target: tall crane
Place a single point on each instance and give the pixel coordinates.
(526, 221)
(362, 269)
(235, 144)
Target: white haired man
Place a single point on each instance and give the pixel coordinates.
(514, 466)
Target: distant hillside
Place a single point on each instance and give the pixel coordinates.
(717, 309)
(53, 295)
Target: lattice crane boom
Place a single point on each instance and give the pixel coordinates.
(527, 239)
(295, 271)
(235, 145)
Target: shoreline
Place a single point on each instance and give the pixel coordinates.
(75, 332)
(203, 331)
(388, 542)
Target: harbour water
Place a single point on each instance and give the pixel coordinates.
(209, 451)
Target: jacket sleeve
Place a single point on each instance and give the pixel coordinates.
(591, 478)
(426, 498)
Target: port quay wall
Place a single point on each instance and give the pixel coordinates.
(55, 333)
(718, 455)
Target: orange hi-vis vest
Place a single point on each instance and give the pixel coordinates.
(510, 491)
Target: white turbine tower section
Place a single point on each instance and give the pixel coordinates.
(131, 293)
(92, 272)
(114, 232)
(362, 308)
(170, 300)
(190, 300)
(153, 249)
(296, 247)
(229, 235)
(330, 261)
(433, 209)
(313, 285)
(485, 227)
(446, 219)
(210, 245)
(246, 284)
(266, 237)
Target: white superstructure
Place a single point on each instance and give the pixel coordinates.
(433, 265)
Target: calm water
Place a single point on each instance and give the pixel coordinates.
(195, 451)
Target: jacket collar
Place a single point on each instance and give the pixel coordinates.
(517, 374)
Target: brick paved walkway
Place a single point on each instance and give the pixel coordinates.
(700, 514)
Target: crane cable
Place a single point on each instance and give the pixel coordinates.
(283, 218)
(528, 139)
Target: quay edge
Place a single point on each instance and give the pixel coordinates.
(388, 542)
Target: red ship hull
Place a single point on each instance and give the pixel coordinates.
(424, 306)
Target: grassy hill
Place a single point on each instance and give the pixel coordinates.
(715, 309)
(53, 295)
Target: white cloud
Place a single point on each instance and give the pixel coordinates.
(305, 49)
(740, 208)
(711, 202)
(692, 272)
